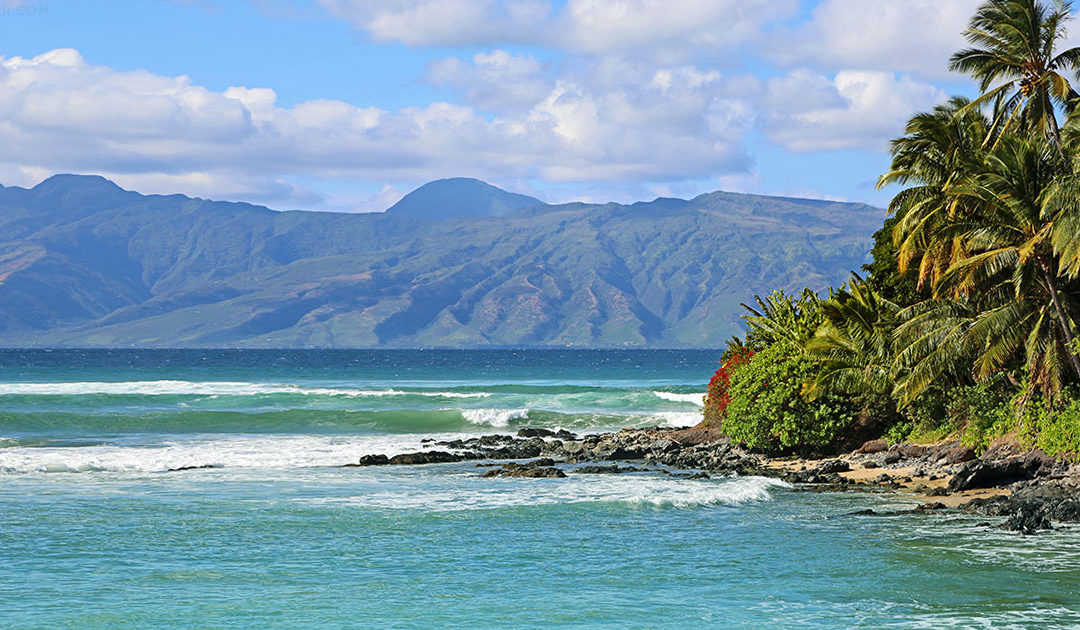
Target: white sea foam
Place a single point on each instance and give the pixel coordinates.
(1030, 616)
(221, 388)
(690, 493)
(316, 460)
(494, 417)
(469, 492)
(675, 419)
(234, 451)
(695, 398)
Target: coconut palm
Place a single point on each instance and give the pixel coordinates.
(854, 346)
(938, 154)
(1063, 203)
(1010, 271)
(932, 346)
(1015, 46)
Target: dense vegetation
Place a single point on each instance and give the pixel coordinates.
(966, 320)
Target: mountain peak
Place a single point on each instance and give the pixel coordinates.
(65, 183)
(460, 197)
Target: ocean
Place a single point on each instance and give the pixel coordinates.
(205, 489)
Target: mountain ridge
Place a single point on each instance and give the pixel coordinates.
(86, 264)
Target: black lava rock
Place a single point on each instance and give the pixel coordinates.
(541, 468)
(1027, 519)
(531, 433)
(371, 460)
(430, 457)
(613, 469)
(833, 466)
(985, 474)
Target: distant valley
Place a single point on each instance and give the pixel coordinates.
(457, 263)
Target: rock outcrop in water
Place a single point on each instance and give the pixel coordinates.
(536, 469)
(657, 447)
(1033, 504)
(1032, 489)
(1043, 490)
(985, 474)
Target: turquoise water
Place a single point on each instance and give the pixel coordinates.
(97, 533)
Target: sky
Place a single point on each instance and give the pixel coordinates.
(346, 105)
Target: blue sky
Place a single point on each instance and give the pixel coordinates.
(348, 104)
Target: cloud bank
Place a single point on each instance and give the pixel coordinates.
(596, 92)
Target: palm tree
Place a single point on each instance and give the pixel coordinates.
(991, 213)
(932, 346)
(1010, 271)
(1015, 43)
(936, 157)
(780, 318)
(1063, 203)
(854, 346)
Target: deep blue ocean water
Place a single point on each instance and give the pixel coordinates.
(96, 532)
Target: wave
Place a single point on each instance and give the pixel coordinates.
(318, 460)
(697, 398)
(735, 491)
(494, 417)
(676, 419)
(225, 406)
(247, 451)
(633, 491)
(218, 388)
(314, 421)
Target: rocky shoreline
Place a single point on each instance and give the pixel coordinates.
(1028, 490)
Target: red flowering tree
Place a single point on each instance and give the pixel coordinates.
(717, 397)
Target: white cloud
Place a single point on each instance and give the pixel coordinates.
(854, 110)
(387, 196)
(624, 83)
(443, 22)
(23, 176)
(639, 95)
(254, 188)
(494, 81)
(166, 134)
(637, 122)
(671, 28)
(667, 26)
(912, 36)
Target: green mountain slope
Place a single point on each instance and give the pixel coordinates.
(84, 263)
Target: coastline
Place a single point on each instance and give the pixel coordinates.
(904, 480)
(1027, 489)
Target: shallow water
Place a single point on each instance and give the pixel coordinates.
(98, 534)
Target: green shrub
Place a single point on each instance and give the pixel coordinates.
(767, 410)
(1056, 431)
(977, 414)
(981, 413)
(922, 421)
(900, 432)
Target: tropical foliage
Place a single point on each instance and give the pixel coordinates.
(717, 397)
(967, 319)
(767, 409)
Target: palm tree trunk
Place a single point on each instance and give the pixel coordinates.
(1051, 286)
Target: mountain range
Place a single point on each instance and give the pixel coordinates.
(456, 263)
